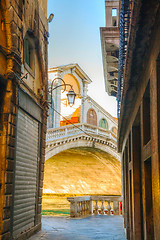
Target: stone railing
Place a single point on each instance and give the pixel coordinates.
(83, 206)
(70, 130)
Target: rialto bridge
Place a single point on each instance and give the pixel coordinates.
(80, 135)
(86, 124)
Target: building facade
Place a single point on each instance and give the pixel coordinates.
(139, 122)
(95, 115)
(23, 113)
(87, 110)
(110, 46)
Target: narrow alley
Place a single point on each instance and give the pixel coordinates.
(80, 120)
(92, 228)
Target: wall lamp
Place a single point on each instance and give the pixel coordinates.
(51, 16)
(70, 95)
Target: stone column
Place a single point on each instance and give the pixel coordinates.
(85, 89)
(116, 207)
(73, 209)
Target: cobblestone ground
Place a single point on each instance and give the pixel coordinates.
(94, 227)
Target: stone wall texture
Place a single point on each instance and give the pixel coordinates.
(19, 18)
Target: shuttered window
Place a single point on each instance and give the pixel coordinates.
(25, 173)
(103, 123)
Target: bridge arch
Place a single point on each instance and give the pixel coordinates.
(80, 141)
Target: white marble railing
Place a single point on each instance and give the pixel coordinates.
(70, 130)
(88, 205)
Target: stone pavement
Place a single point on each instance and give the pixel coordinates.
(100, 227)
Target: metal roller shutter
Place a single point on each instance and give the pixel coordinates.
(25, 173)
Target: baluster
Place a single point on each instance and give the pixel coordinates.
(96, 208)
(116, 208)
(78, 209)
(81, 210)
(97, 131)
(82, 204)
(102, 207)
(90, 207)
(109, 208)
(85, 208)
(65, 132)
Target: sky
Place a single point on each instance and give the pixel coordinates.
(74, 37)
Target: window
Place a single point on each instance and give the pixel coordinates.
(111, 73)
(114, 130)
(114, 12)
(103, 123)
(91, 113)
(29, 54)
(92, 117)
(114, 17)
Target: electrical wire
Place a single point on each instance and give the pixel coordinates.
(73, 124)
(10, 50)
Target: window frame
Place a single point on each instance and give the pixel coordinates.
(29, 54)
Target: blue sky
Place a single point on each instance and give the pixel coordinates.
(75, 38)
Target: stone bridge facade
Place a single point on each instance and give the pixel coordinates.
(80, 135)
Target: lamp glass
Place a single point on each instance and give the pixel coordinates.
(71, 97)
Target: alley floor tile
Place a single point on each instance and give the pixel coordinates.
(100, 227)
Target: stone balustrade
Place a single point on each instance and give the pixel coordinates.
(87, 205)
(70, 130)
(80, 206)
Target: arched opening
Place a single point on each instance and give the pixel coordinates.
(103, 123)
(92, 117)
(114, 130)
(76, 172)
(71, 114)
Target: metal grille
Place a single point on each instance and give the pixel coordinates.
(25, 173)
(125, 16)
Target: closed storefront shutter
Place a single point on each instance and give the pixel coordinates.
(25, 173)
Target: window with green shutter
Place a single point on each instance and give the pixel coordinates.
(103, 123)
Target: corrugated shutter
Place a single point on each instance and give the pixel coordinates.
(25, 173)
